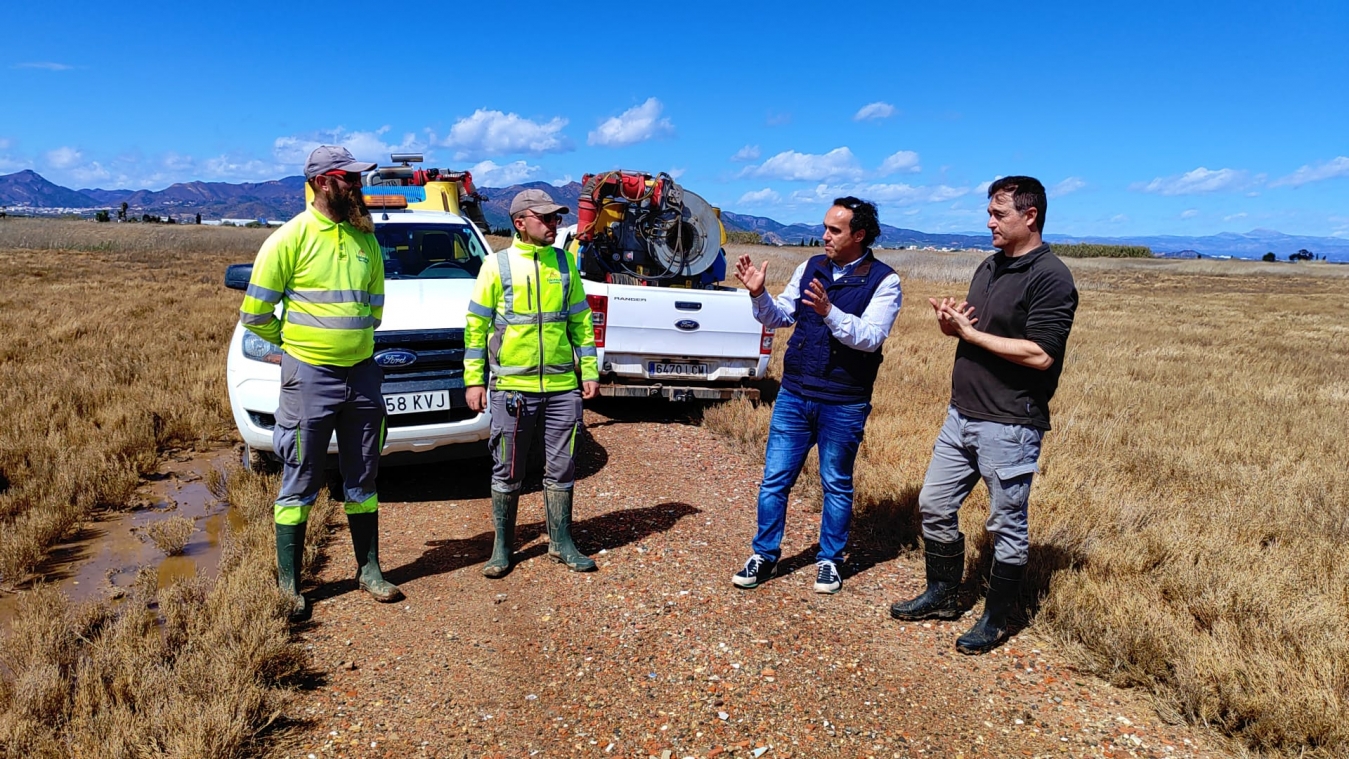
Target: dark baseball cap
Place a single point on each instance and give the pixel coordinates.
(537, 201)
(326, 158)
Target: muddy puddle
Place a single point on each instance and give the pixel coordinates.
(100, 561)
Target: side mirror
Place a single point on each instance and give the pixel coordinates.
(237, 276)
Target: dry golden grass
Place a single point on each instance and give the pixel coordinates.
(113, 355)
(171, 535)
(1188, 532)
(110, 357)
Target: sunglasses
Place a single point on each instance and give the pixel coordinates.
(347, 177)
(548, 219)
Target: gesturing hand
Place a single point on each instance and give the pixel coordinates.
(954, 318)
(816, 297)
(749, 276)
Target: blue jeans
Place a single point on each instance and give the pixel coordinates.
(798, 424)
(1005, 456)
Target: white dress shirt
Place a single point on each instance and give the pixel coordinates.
(864, 333)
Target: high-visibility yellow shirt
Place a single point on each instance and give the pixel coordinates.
(329, 278)
(530, 320)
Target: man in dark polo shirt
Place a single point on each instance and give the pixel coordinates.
(1012, 330)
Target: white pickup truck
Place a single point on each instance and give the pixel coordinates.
(431, 259)
(678, 343)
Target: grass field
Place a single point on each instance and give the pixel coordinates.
(1188, 532)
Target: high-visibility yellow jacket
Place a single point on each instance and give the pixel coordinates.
(530, 302)
(330, 278)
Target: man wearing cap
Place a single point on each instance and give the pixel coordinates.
(530, 303)
(324, 266)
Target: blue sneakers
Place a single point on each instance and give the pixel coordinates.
(757, 569)
(826, 577)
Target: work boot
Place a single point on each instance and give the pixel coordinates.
(945, 567)
(504, 508)
(1004, 588)
(289, 560)
(365, 542)
(557, 504)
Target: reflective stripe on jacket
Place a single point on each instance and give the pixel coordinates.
(329, 278)
(530, 320)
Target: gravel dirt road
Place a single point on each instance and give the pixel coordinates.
(657, 654)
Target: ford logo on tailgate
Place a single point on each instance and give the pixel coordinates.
(395, 357)
(688, 325)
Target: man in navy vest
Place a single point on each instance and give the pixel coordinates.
(843, 304)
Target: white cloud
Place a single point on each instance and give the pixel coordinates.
(238, 168)
(1235, 216)
(1118, 218)
(766, 196)
(637, 124)
(790, 165)
(5, 142)
(179, 163)
(747, 153)
(293, 150)
(676, 173)
(1196, 182)
(877, 110)
(64, 157)
(493, 133)
(904, 160)
(90, 173)
(1336, 167)
(44, 65)
(1069, 185)
(884, 194)
(1189, 213)
(489, 174)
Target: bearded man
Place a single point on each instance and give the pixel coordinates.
(326, 268)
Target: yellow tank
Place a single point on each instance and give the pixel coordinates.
(433, 196)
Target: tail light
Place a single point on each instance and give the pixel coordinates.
(766, 342)
(599, 310)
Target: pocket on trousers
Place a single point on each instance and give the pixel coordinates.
(284, 443)
(1008, 473)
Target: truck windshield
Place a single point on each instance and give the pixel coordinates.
(430, 251)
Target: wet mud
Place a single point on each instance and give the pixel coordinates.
(101, 559)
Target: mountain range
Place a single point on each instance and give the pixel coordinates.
(283, 198)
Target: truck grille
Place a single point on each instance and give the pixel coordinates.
(439, 366)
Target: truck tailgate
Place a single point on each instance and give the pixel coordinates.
(663, 321)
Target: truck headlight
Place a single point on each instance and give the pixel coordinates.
(260, 350)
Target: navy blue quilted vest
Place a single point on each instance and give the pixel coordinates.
(819, 367)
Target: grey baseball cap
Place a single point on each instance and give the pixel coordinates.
(537, 201)
(326, 158)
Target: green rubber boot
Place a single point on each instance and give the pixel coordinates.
(557, 503)
(289, 560)
(365, 542)
(505, 506)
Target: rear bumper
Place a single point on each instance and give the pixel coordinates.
(679, 392)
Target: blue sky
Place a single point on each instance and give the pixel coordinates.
(1141, 118)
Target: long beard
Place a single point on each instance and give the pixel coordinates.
(350, 207)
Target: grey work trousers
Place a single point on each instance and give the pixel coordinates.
(315, 402)
(1006, 456)
(517, 418)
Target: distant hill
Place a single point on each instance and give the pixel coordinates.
(283, 198)
(1252, 244)
(29, 188)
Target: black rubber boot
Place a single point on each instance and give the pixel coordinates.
(1004, 589)
(365, 542)
(945, 567)
(557, 503)
(289, 561)
(505, 506)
